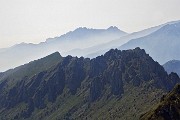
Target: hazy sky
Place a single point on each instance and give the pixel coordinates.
(36, 20)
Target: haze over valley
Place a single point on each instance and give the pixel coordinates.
(89, 60)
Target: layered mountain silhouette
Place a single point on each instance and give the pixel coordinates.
(172, 66)
(161, 42)
(116, 85)
(102, 48)
(79, 38)
(167, 109)
(86, 33)
(162, 45)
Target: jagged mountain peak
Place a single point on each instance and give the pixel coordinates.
(138, 51)
(56, 54)
(113, 28)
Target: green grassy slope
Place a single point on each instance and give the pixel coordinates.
(167, 109)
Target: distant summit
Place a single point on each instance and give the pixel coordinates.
(172, 66)
(81, 37)
(85, 33)
(114, 28)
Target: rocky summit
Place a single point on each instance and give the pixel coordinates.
(116, 85)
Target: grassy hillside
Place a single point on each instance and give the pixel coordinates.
(167, 109)
(117, 85)
(32, 68)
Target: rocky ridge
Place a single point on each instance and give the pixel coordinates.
(85, 82)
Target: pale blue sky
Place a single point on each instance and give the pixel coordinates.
(36, 20)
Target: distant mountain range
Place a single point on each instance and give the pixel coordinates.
(116, 85)
(86, 33)
(162, 45)
(161, 42)
(99, 49)
(80, 38)
(111, 84)
(172, 66)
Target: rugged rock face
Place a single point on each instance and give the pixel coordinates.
(167, 109)
(88, 80)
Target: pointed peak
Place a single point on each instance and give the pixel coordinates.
(55, 54)
(113, 28)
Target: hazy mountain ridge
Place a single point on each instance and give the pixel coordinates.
(162, 45)
(99, 49)
(79, 38)
(89, 88)
(84, 33)
(93, 42)
(172, 66)
(102, 48)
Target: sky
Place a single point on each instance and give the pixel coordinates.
(33, 21)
